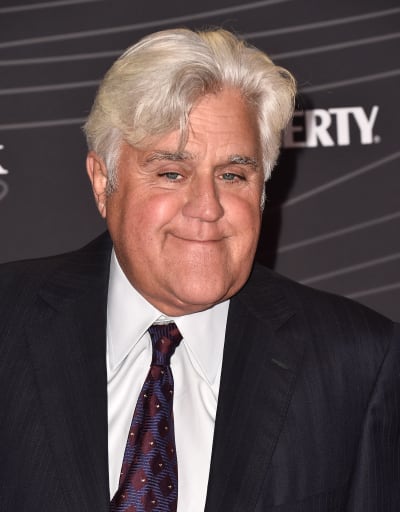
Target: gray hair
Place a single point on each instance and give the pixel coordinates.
(151, 89)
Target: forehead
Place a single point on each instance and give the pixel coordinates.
(222, 122)
(225, 114)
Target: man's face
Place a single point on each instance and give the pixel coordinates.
(185, 224)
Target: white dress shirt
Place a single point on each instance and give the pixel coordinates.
(196, 367)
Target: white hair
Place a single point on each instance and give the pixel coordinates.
(151, 89)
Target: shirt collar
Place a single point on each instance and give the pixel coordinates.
(129, 315)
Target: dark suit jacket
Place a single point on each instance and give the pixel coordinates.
(308, 415)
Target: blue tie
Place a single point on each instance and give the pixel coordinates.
(149, 476)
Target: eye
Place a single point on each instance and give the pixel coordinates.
(230, 176)
(171, 175)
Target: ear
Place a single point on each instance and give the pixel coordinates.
(97, 173)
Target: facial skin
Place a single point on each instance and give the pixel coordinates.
(185, 224)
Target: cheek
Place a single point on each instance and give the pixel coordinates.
(143, 215)
(144, 226)
(153, 217)
(245, 215)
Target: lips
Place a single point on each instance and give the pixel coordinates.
(199, 240)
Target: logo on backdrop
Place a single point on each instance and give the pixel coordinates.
(3, 184)
(341, 126)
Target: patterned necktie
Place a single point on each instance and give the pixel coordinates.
(149, 476)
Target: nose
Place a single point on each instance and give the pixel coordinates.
(203, 201)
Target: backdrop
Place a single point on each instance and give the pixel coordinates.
(333, 214)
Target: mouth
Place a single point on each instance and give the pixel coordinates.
(199, 240)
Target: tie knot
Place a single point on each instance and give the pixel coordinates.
(165, 338)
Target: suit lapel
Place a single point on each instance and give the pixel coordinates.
(257, 382)
(67, 340)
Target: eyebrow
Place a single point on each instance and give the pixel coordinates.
(180, 156)
(243, 160)
(174, 156)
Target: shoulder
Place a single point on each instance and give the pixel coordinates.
(340, 341)
(18, 275)
(325, 316)
(21, 281)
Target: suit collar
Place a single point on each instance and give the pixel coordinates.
(262, 357)
(77, 273)
(264, 297)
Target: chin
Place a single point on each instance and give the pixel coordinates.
(191, 301)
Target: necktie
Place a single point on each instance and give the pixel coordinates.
(149, 475)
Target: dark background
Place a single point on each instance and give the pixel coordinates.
(333, 214)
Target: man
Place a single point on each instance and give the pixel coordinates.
(285, 399)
